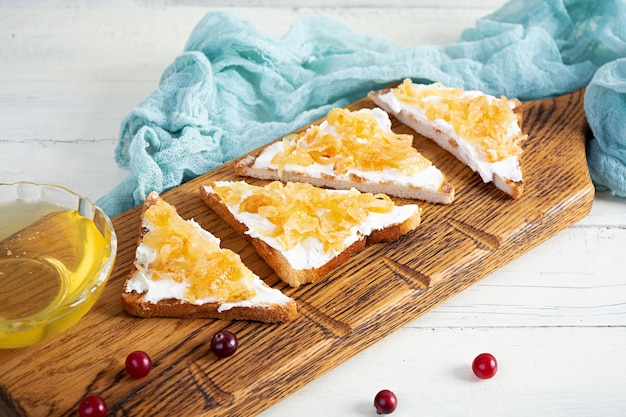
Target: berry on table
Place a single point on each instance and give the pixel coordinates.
(485, 366)
(385, 402)
(224, 344)
(138, 364)
(92, 406)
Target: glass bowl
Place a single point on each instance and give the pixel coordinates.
(57, 251)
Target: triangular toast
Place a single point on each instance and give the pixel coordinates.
(482, 131)
(351, 150)
(181, 271)
(304, 232)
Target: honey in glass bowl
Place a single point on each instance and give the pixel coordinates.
(56, 252)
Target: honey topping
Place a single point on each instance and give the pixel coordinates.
(479, 119)
(299, 211)
(183, 255)
(358, 141)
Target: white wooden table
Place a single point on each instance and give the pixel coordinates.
(554, 318)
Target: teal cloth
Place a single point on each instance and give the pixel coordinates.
(605, 106)
(234, 88)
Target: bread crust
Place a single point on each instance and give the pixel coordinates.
(510, 187)
(135, 304)
(279, 263)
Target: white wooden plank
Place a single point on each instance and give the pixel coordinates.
(573, 279)
(608, 210)
(87, 167)
(542, 371)
(67, 109)
(284, 4)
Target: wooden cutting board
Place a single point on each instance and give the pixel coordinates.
(379, 290)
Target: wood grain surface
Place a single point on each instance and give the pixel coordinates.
(379, 290)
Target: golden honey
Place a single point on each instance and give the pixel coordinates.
(48, 255)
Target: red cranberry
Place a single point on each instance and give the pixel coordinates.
(138, 364)
(92, 406)
(224, 344)
(485, 366)
(385, 402)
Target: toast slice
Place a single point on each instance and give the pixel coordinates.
(482, 131)
(304, 232)
(351, 150)
(181, 271)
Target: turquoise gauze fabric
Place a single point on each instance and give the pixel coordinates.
(234, 89)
